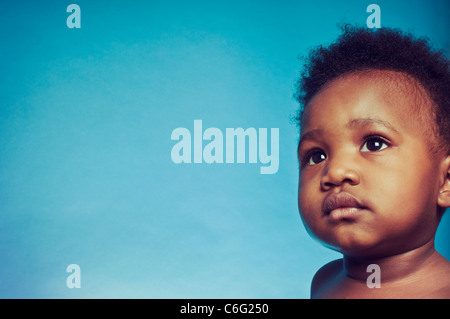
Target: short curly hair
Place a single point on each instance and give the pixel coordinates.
(361, 49)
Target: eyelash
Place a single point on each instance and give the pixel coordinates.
(370, 137)
(309, 154)
(378, 137)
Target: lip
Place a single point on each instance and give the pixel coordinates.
(341, 206)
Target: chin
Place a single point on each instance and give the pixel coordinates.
(361, 246)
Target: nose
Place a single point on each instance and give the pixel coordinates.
(339, 170)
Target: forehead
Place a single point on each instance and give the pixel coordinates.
(381, 95)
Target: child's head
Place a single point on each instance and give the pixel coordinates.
(374, 146)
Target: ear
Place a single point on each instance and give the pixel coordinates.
(444, 190)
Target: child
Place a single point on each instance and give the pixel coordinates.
(374, 157)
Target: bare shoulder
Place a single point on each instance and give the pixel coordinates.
(442, 285)
(324, 276)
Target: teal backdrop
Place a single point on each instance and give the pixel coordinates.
(86, 117)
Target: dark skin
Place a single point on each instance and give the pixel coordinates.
(371, 187)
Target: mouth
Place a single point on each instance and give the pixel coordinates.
(341, 206)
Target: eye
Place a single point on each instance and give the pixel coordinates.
(374, 144)
(315, 157)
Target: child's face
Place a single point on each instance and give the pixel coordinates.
(368, 183)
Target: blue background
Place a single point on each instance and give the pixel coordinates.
(86, 117)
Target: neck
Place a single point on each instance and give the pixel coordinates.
(393, 268)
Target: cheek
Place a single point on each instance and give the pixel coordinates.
(309, 201)
(310, 207)
(403, 196)
(403, 185)
(306, 193)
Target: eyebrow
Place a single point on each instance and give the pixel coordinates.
(353, 124)
(310, 135)
(362, 122)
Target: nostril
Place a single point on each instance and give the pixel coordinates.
(338, 176)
